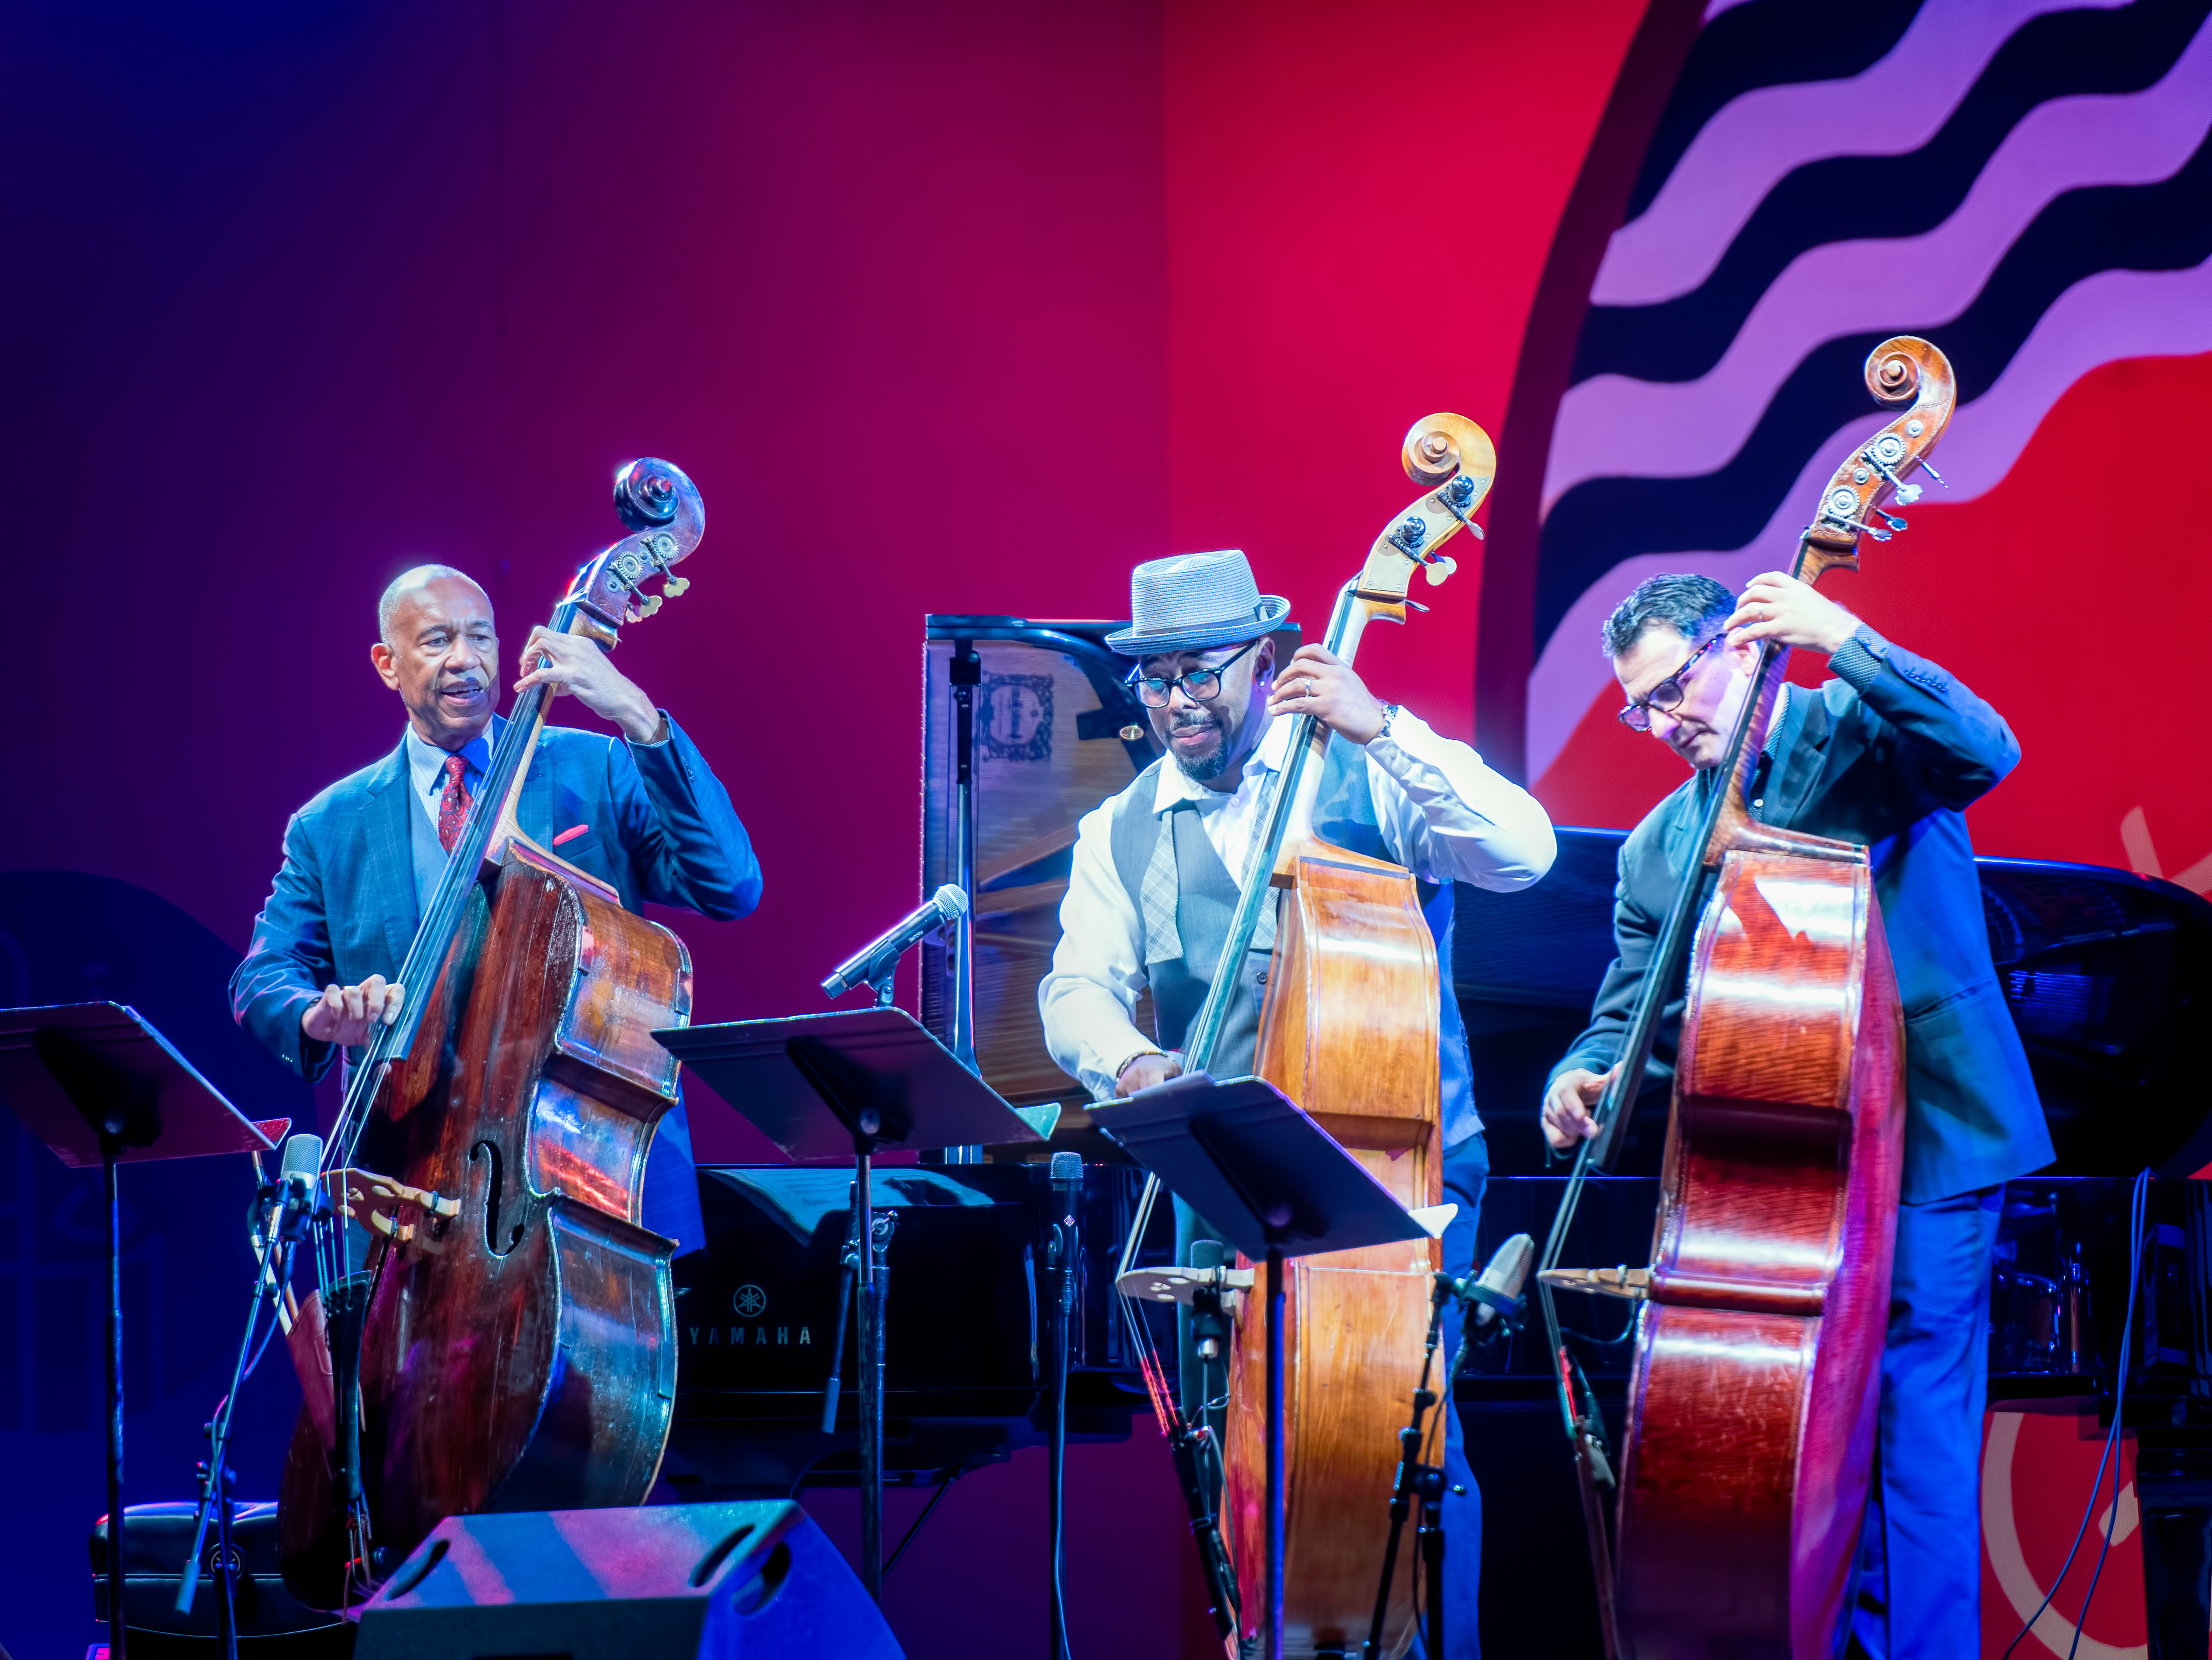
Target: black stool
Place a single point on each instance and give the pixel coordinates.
(271, 1621)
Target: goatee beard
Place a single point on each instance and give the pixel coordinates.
(1205, 771)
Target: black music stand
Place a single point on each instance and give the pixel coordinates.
(99, 1086)
(1254, 1163)
(844, 1085)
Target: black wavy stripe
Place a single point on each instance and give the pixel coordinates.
(2162, 226)
(1767, 43)
(2060, 54)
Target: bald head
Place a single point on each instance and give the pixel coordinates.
(411, 581)
(438, 649)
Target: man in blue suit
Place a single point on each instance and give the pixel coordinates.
(1888, 754)
(644, 813)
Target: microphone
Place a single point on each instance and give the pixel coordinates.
(1066, 1185)
(299, 1179)
(301, 1170)
(1496, 1292)
(1066, 1182)
(873, 960)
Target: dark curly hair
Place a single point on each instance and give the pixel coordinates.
(1693, 607)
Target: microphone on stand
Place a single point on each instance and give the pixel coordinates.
(1066, 1182)
(299, 1181)
(874, 960)
(302, 1171)
(1495, 1293)
(1492, 1300)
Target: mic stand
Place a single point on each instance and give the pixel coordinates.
(1060, 1270)
(1197, 1451)
(214, 1477)
(965, 677)
(294, 1207)
(862, 1079)
(1425, 1481)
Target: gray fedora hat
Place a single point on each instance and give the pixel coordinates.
(1194, 602)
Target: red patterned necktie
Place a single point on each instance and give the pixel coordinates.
(454, 805)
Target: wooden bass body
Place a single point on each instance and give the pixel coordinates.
(521, 1354)
(1752, 1406)
(1350, 1032)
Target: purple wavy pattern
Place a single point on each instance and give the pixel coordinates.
(2103, 318)
(1613, 426)
(1895, 106)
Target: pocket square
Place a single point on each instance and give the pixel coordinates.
(570, 834)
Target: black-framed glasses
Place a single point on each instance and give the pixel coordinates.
(1668, 694)
(1153, 690)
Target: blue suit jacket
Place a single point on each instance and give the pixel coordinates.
(659, 826)
(1888, 755)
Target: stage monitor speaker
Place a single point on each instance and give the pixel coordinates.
(730, 1581)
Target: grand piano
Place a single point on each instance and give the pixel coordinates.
(2105, 973)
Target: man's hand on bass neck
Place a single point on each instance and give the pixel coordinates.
(1789, 612)
(1318, 682)
(577, 665)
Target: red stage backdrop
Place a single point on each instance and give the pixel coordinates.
(2029, 185)
(968, 304)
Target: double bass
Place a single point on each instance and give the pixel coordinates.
(1349, 1031)
(508, 1342)
(1751, 1420)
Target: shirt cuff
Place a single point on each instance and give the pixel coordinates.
(1409, 744)
(1857, 662)
(660, 739)
(1106, 1087)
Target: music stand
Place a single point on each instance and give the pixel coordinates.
(1254, 1163)
(99, 1086)
(825, 1086)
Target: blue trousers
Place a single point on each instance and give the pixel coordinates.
(1467, 1171)
(671, 1183)
(1920, 1559)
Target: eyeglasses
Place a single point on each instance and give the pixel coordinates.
(1668, 694)
(1153, 690)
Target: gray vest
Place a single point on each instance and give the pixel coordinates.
(1343, 814)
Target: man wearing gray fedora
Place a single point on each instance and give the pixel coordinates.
(1158, 868)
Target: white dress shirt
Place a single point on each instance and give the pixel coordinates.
(1443, 815)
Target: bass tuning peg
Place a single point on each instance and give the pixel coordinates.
(675, 587)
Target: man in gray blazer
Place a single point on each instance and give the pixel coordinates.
(643, 812)
(1888, 754)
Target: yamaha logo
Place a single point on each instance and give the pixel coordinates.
(214, 1560)
(748, 1300)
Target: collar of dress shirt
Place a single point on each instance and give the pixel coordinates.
(1173, 785)
(426, 762)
